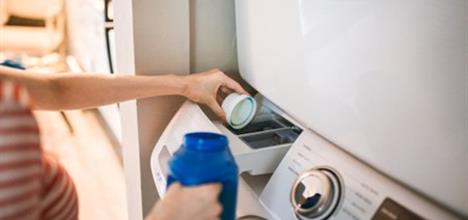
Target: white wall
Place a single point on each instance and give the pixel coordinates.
(212, 35)
(158, 37)
(161, 31)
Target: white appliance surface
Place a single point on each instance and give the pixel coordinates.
(189, 118)
(365, 191)
(384, 80)
(361, 192)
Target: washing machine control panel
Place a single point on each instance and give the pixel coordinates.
(317, 180)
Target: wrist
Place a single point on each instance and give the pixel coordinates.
(181, 84)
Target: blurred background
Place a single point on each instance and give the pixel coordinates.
(69, 37)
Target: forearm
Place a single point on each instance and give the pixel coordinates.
(91, 90)
(76, 91)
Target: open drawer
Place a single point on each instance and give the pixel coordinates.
(258, 148)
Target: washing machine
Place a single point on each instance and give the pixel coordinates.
(363, 110)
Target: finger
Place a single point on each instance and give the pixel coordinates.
(226, 90)
(214, 212)
(217, 210)
(231, 84)
(174, 187)
(207, 217)
(207, 195)
(214, 106)
(222, 93)
(219, 99)
(212, 189)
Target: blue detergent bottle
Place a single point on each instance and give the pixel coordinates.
(206, 158)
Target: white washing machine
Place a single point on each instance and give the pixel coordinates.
(363, 110)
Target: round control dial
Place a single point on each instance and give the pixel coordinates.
(316, 193)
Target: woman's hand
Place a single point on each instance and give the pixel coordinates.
(203, 88)
(195, 203)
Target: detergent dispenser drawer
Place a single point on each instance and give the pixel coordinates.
(268, 129)
(262, 144)
(271, 138)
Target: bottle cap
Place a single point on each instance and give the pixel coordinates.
(239, 109)
(205, 141)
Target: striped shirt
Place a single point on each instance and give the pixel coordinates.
(33, 185)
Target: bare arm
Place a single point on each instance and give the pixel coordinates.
(75, 91)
